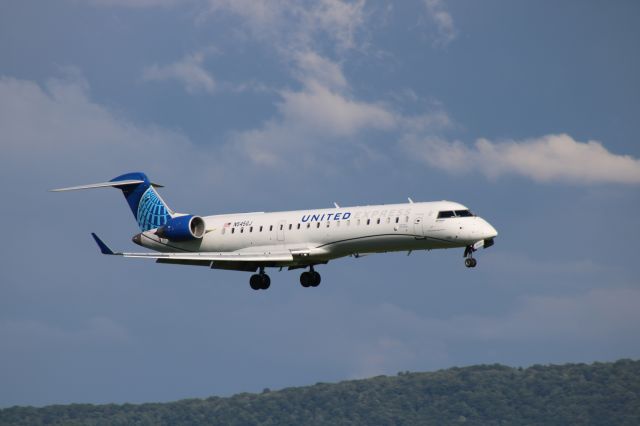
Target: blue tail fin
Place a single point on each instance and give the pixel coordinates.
(147, 206)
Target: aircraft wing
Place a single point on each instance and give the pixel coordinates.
(203, 258)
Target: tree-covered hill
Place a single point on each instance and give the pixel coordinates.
(572, 394)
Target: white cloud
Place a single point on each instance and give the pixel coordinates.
(295, 25)
(307, 120)
(435, 120)
(315, 68)
(57, 128)
(444, 22)
(324, 112)
(546, 159)
(189, 71)
(340, 19)
(135, 3)
(321, 110)
(290, 24)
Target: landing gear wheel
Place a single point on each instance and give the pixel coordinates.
(255, 281)
(315, 279)
(470, 262)
(310, 279)
(305, 279)
(265, 281)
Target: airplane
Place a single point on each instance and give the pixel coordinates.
(291, 239)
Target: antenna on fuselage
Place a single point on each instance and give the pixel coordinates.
(410, 200)
(336, 204)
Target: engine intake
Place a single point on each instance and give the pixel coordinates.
(182, 228)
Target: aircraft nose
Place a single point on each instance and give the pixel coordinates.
(489, 231)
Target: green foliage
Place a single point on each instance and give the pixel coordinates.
(576, 394)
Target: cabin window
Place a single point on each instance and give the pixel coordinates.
(270, 227)
(309, 225)
(328, 224)
(281, 227)
(251, 229)
(378, 221)
(260, 228)
(397, 219)
(298, 226)
(368, 221)
(290, 225)
(233, 230)
(241, 230)
(318, 225)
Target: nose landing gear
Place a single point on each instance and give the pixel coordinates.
(260, 281)
(469, 261)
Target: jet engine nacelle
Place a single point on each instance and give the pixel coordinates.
(182, 228)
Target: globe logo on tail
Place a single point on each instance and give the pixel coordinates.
(152, 213)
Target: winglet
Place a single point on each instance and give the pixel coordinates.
(104, 249)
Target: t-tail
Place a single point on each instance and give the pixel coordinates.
(147, 206)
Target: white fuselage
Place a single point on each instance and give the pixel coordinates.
(324, 234)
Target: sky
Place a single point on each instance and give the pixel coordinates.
(526, 112)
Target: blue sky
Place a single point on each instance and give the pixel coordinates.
(524, 111)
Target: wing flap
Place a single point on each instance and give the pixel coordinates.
(215, 256)
(185, 262)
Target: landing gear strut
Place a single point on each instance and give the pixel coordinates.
(260, 281)
(469, 261)
(310, 278)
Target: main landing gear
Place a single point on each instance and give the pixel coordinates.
(469, 261)
(260, 281)
(310, 278)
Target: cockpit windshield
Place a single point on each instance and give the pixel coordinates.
(464, 213)
(454, 213)
(446, 214)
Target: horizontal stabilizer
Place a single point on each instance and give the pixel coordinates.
(116, 184)
(113, 184)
